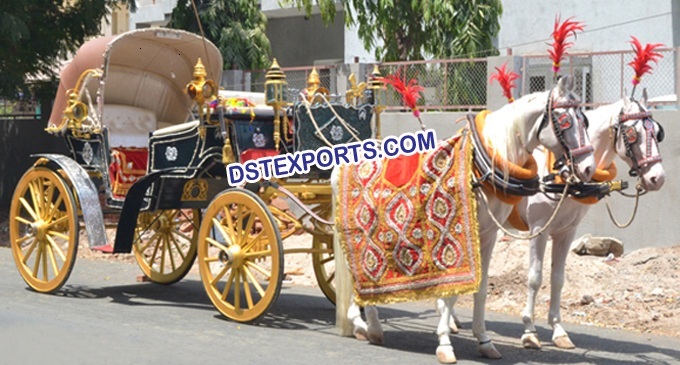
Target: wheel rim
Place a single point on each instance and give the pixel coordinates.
(165, 243)
(43, 229)
(324, 265)
(241, 274)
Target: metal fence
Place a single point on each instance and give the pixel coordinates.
(296, 77)
(458, 84)
(601, 77)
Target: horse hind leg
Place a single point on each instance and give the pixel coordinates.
(360, 329)
(444, 352)
(375, 330)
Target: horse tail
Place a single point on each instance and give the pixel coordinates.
(343, 278)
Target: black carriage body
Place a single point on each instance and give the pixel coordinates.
(322, 126)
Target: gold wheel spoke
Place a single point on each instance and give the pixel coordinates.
(30, 251)
(217, 244)
(164, 250)
(53, 260)
(260, 269)
(330, 278)
(258, 254)
(327, 260)
(183, 235)
(44, 263)
(21, 240)
(34, 196)
(41, 194)
(23, 220)
(246, 232)
(58, 221)
(170, 253)
(55, 246)
(237, 224)
(58, 234)
(55, 207)
(224, 233)
(28, 208)
(177, 246)
(252, 241)
(211, 259)
(36, 263)
(220, 275)
(225, 293)
(246, 287)
(146, 245)
(155, 251)
(252, 279)
(237, 291)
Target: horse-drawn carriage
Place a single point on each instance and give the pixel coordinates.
(150, 136)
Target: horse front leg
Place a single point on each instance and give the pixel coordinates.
(444, 352)
(486, 348)
(560, 251)
(535, 278)
(360, 329)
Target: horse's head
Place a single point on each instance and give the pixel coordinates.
(563, 130)
(636, 140)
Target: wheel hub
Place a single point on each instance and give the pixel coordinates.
(38, 230)
(234, 256)
(164, 224)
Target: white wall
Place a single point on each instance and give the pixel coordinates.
(526, 25)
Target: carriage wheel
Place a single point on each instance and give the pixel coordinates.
(240, 255)
(324, 265)
(43, 229)
(165, 244)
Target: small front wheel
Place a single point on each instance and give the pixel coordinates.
(165, 243)
(240, 255)
(43, 229)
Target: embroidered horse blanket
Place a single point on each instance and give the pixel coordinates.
(408, 226)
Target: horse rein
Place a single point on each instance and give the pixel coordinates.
(560, 124)
(630, 136)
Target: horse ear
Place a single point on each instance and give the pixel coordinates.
(626, 102)
(565, 85)
(643, 102)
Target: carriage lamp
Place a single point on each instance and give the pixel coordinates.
(200, 89)
(274, 94)
(75, 113)
(379, 95)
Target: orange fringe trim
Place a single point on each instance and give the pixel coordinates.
(526, 172)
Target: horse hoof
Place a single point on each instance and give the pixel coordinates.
(454, 324)
(375, 336)
(445, 354)
(489, 351)
(563, 342)
(360, 333)
(530, 341)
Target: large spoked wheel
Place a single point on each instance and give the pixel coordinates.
(165, 243)
(43, 229)
(240, 255)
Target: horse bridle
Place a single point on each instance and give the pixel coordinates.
(563, 122)
(629, 136)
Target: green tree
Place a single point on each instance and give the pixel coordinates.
(36, 34)
(401, 30)
(236, 27)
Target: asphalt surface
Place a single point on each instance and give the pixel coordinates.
(103, 316)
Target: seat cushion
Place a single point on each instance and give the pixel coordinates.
(128, 164)
(174, 129)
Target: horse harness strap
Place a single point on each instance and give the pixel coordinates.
(488, 172)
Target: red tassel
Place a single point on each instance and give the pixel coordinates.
(506, 80)
(559, 35)
(410, 92)
(643, 55)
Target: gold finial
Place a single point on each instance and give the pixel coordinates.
(313, 80)
(199, 70)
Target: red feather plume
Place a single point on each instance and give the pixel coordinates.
(410, 93)
(560, 34)
(643, 55)
(506, 80)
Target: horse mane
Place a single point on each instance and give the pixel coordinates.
(504, 125)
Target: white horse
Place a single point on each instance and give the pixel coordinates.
(515, 131)
(624, 128)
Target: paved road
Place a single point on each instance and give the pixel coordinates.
(103, 316)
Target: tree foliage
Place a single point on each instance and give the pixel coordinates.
(36, 34)
(402, 30)
(236, 27)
